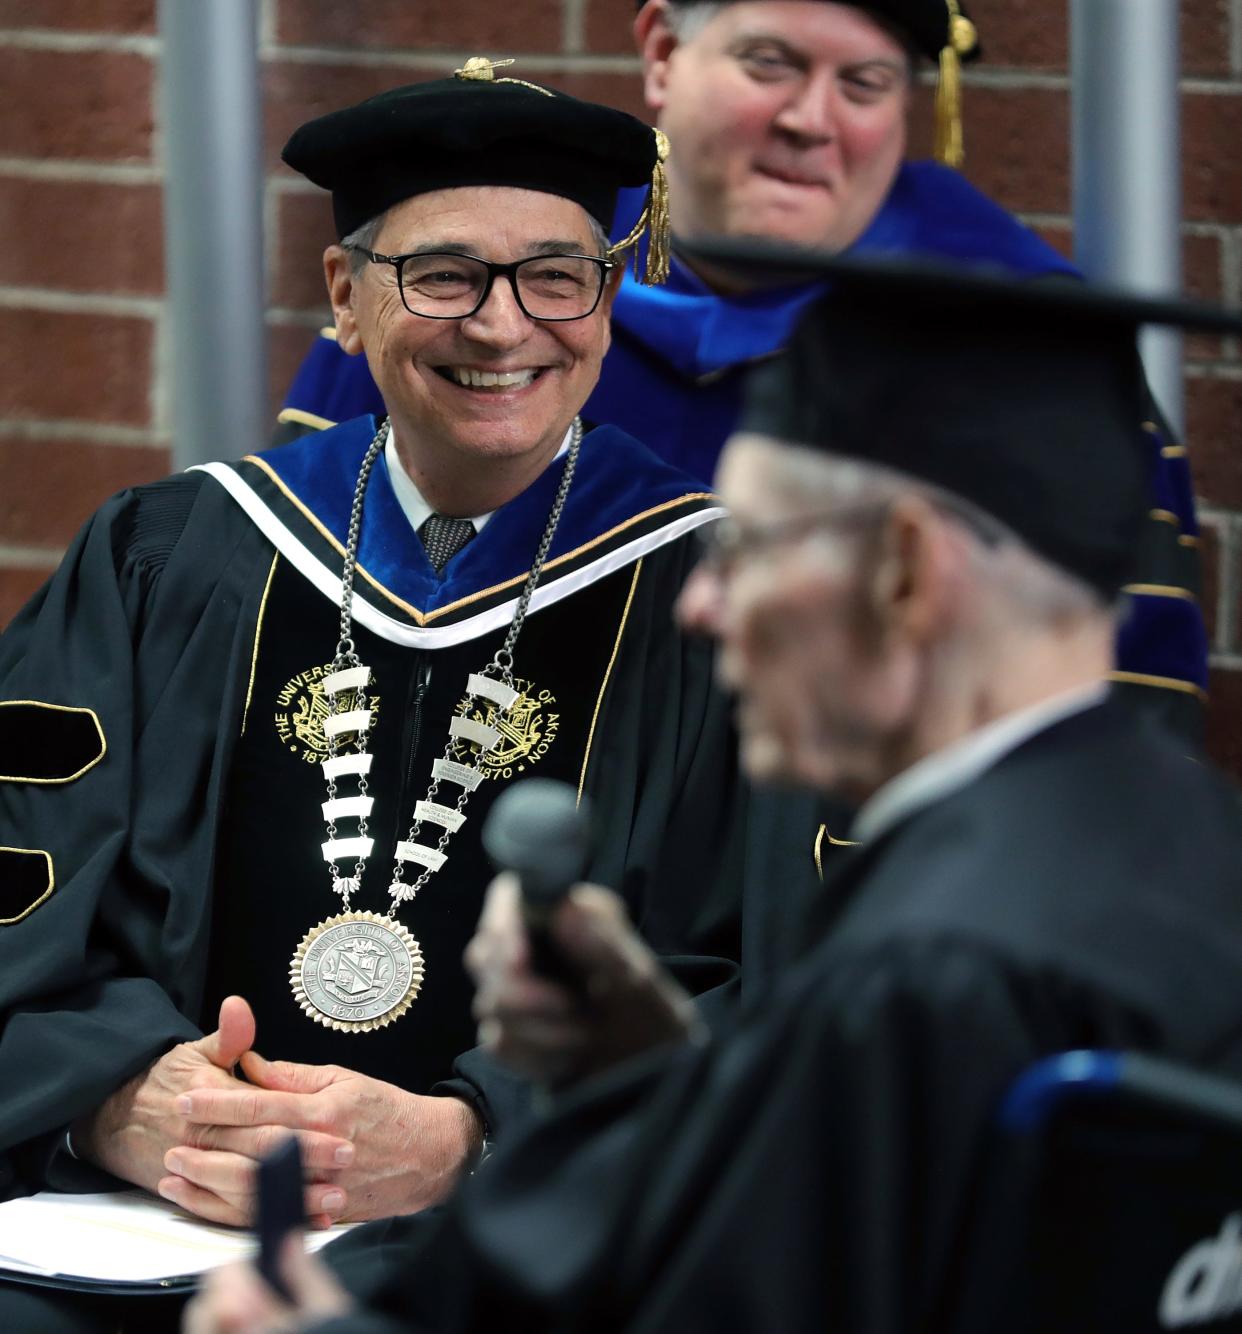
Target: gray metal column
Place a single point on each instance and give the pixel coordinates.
(213, 227)
(1124, 62)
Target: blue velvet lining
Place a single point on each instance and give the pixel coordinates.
(931, 210)
(616, 479)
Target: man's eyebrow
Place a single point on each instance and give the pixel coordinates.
(745, 36)
(575, 247)
(439, 248)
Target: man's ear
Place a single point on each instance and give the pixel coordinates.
(338, 272)
(656, 42)
(909, 592)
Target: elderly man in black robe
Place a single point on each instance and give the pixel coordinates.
(915, 607)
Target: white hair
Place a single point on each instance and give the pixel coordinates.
(687, 21)
(1017, 583)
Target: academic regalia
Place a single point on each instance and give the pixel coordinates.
(813, 1170)
(193, 619)
(673, 379)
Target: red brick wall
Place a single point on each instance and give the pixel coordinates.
(84, 394)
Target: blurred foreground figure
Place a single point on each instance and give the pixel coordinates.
(915, 603)
(788, 120)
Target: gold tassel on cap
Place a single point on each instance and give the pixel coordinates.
(961, 40)
(655, 217)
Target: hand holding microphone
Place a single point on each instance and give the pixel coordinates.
(540, 832)
(566, 987)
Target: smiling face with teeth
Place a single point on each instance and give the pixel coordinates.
(479, 405)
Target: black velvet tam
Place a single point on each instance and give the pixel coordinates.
(1023, 397)
(925, 22)
(471, 131)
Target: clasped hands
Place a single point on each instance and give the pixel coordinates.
(622, 1003)
(190, 1130)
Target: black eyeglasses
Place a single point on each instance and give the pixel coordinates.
(723, 543)
(446, 286)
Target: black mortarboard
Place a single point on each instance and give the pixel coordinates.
(940, 30)
(478, 129)
(1026, 398)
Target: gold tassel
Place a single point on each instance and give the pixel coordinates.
(656, 217)
(961, 40)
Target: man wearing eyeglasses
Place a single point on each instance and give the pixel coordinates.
(788, 120)
(316, 667)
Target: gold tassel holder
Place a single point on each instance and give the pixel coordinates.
(655, 217)
(962, 40)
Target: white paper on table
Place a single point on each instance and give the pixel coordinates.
(119, 1237)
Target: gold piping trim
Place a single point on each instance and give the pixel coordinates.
(47, 893)
(1187, 540)
(1173, 452)
(426, 617)
(603, 685)
(1161, 591)
(258, 630)
(328, 331)
(577, 551)
(836, 843)
(58, 708)
(336, 546)
(1164, 516)
(1160, 682)
(304, 418)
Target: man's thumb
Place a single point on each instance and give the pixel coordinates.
(234, 1035)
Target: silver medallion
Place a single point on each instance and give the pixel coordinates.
(356, 972)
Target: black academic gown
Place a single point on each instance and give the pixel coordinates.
(193, 617)
(812, 1171)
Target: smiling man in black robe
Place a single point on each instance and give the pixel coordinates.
(916, 608)
(253, 724)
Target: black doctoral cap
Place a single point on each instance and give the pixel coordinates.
(479, 129)
(938, 29)
(1025, 398)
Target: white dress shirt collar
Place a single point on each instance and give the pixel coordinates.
(946, 771)
(410, 498)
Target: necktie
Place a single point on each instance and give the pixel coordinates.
(443, 538)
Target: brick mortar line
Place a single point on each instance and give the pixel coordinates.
(79, 303)
(435, 62)
(93, 433)
(1231, 281)
(1012, 76)
(48, 39)
(1034, 218)
(1230, 662)
(573, 26)
(1235, 44)
(291, 317)
(1218, 87)
(267, 23)
(1228, 528)
(1213, 370)
(80, 169)
(287, 182)
(1218, 230)
(22, 557)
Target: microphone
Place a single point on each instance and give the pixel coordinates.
(539, 830)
